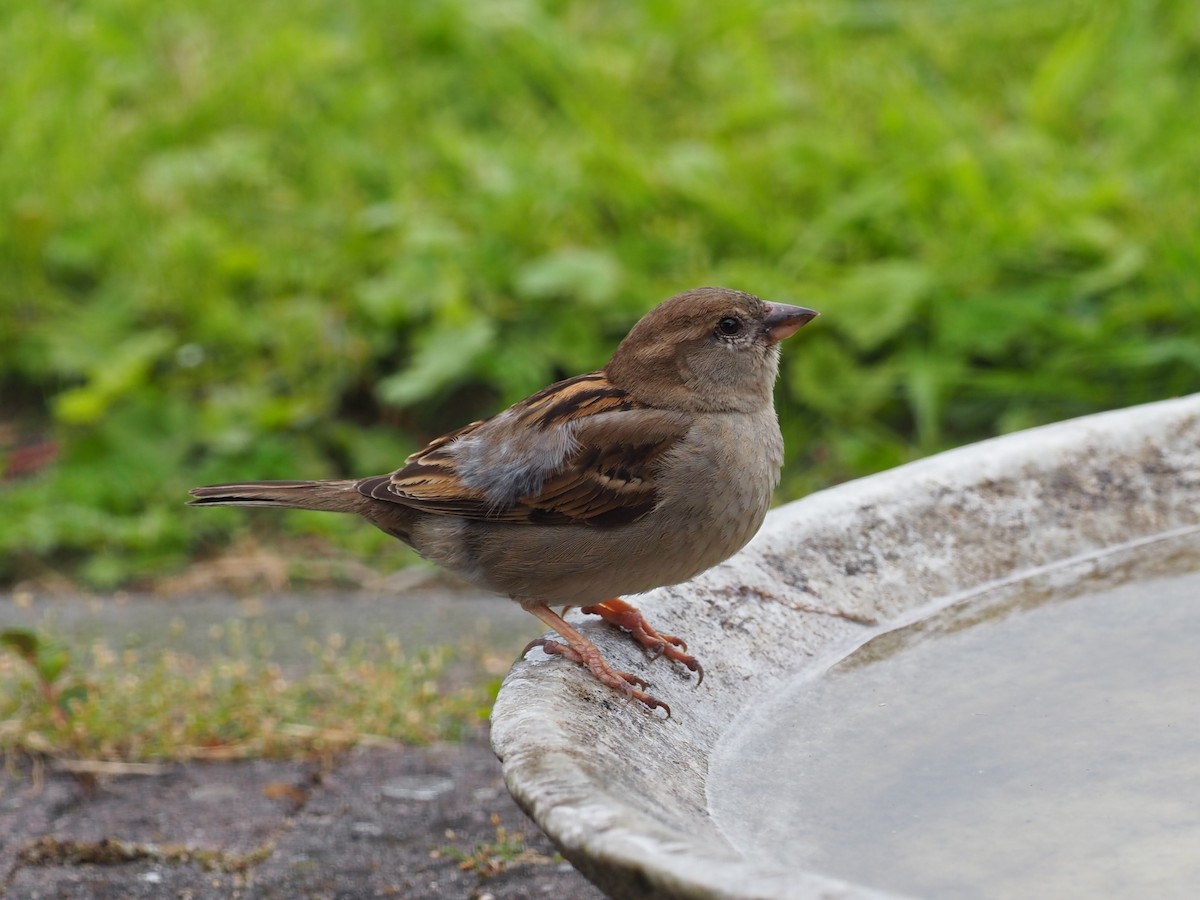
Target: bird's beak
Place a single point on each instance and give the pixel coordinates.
(783, 321)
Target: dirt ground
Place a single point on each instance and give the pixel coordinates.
(397, 821)
(381, 822)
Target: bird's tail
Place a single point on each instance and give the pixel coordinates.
(330, 496)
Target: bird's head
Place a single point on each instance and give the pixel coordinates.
(706, 349)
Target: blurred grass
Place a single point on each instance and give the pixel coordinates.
(234, 700)
(297, 239)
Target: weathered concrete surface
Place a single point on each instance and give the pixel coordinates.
(622, 792)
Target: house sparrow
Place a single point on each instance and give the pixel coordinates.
(642, 474)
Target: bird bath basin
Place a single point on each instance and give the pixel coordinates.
(975, 675)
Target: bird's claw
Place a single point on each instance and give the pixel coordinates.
(627, 617)
(628, 684)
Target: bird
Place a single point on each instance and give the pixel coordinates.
(641, 474)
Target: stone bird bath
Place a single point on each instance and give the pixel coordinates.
(627, 795)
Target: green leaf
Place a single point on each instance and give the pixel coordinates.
(1062, 80)
(591, 276)
(878, 301)
(50, 662)
(22, 642)
(445, 355)
(125, 369)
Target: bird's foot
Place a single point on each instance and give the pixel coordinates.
(589, 657)
(627, 617)
(578, 649)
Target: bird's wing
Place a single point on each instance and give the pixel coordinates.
(582, 450)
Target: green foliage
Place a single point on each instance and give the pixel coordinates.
(295, 240)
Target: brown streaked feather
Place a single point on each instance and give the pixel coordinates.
(608, 479)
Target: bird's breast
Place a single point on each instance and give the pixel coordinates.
(717, 485)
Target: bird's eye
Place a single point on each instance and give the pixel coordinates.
(729, 326)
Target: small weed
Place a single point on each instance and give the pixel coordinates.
(48, 660)
(507, 851)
